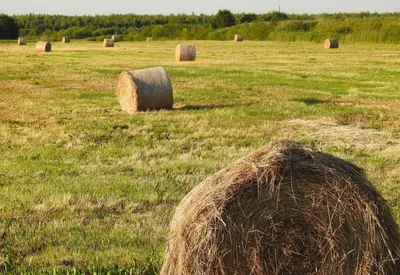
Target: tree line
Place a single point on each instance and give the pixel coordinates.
(364, 26)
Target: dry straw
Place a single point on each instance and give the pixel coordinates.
(331, 44)
(21, 41)
(116, 38)
(43, 46)
(284, 209)
(66, 39)
(107, 43)
(185, 52)
(144, 90)
(149, 39)
(238, 37)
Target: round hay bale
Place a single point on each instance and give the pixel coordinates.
(144, 90)
(21, 41)
(331, 44)
(66, 39)
(185, 52)
(43, 46)
(238, 38)
(149, 39)
(284, 209)
(107, 43)
(116, 38)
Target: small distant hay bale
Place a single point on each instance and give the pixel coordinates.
(116, 38)
(107, 43)
(66, 39)
(331, 44)
(43, 46)
(185, 52)
(21, 41)
(284, 209)
(149, 39)
(238, 38)
(145, 90)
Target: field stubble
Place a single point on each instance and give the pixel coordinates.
(84, 186)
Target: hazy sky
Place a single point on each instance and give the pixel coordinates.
(71, 7)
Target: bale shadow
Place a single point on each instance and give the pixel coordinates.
(311, 101)
(211, 107)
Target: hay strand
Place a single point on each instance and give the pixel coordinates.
(107, 43)
(331, 44)
(43, 46)
(185, 52)
(21, 41)
(284, 209)
(66, 39)
(238, 38)
(144, 90)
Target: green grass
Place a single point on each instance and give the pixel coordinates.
(85, 187)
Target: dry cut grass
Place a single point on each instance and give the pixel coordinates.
(85, 186)
(284, 209)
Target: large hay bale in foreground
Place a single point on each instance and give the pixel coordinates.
(331, 44)
(108, 43)
(185, 52)
(144, 90)
(238, 38)
(284, 209)
(116, 38)
(66, 39)
(43, 46)
(21, 41)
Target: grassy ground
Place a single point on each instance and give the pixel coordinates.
(86, 187)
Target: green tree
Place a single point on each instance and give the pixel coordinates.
(248, 17)
(274, 16)
(223, 19)
(8, 27)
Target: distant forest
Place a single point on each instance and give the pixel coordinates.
(274, 26)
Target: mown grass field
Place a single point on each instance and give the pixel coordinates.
(85, 187)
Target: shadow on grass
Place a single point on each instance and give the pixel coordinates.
(211, 107)
(311, 101)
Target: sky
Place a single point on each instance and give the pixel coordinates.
(91, 7)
